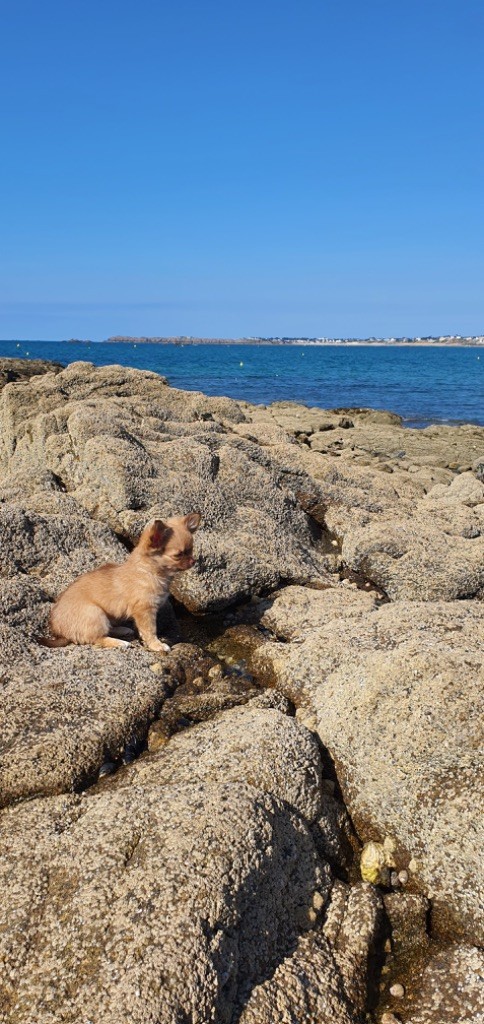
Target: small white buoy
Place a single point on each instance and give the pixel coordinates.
(241, 364)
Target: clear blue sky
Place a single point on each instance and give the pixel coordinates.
(206, 167)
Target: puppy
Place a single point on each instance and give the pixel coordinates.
(86, 613)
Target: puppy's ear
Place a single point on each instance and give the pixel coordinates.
(192, 521)
(156, 535)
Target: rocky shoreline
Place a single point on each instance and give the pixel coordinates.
(181, 836)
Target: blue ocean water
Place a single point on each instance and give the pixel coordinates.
(423, 384)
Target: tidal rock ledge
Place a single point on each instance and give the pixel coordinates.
(214, 879)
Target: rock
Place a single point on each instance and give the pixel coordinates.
(198, 880)
(322, 980)
(319, 441)
(196, 665)
(187, 707)
(296, 419)
(388, 528)
(451, 990)
(236, 643)
(407, 914)
(415, 776)
(413, 559)
(295, 612)
(365, 416)
(250, 743)
(464, 488)
(273, 700)
(65, 712)
(478, 468)
(397, 991)
(175, 891)
(12, 369)
(53, 548)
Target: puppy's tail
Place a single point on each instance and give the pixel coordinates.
(53, 641)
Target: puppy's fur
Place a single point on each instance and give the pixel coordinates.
(87, 612)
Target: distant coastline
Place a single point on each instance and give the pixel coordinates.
(450, 339)
(182, 340)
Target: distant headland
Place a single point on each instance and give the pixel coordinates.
(448, 339)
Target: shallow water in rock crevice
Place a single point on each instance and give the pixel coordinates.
(213, 676)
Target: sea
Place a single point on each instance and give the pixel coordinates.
(423, 384)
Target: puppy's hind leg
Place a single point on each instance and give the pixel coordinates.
(111, 641)
(90, 625)
(97, 624)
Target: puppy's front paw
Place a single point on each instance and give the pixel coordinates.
(158, 646)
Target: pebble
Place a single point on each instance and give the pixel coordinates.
(309, 721)
(215, 672)
(389, 1018)
(397, 991)
(403, 877)
(413, 866)
(307, 918)
(395, 879)
(318, 901)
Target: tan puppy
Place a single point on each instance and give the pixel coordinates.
(87, 611)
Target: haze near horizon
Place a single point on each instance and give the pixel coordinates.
(226, 171)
